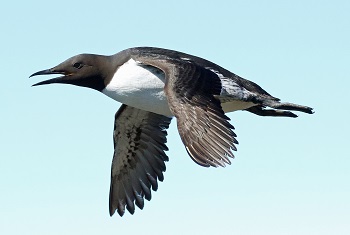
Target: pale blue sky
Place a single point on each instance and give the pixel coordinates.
(290, 176)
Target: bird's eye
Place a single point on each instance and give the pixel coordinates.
(78, 65)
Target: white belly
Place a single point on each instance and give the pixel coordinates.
(139, 86)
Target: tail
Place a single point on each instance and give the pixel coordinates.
(281, 107)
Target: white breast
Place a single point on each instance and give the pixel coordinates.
(139, 86)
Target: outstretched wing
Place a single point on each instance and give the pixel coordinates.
(138, 161)
(190, 88)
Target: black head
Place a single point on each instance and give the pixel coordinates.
(86, 70)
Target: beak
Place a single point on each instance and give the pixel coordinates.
(60, 79)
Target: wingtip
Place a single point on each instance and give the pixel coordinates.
(111, 212)
(121, 212)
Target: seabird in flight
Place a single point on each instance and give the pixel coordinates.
(154, 85)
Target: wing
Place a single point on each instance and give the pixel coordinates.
(202, 124)
(190, 88)
(138, 161)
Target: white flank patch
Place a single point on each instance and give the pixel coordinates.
(232, 94)
(216, 72)
(139, 86)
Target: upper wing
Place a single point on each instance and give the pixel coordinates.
(138, 161)
(202, 124)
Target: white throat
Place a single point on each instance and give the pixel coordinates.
(140, 86)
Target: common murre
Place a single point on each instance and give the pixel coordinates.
(155, 84)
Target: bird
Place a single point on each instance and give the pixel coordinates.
(155, 85)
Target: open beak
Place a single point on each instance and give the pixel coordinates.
(61, 79)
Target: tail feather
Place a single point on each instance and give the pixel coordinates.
(279, 108)
(289, 106)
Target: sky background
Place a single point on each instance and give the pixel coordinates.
(290, 176)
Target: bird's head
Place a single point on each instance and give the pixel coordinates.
(86, 70)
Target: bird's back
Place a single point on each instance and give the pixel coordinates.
(167, 54)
